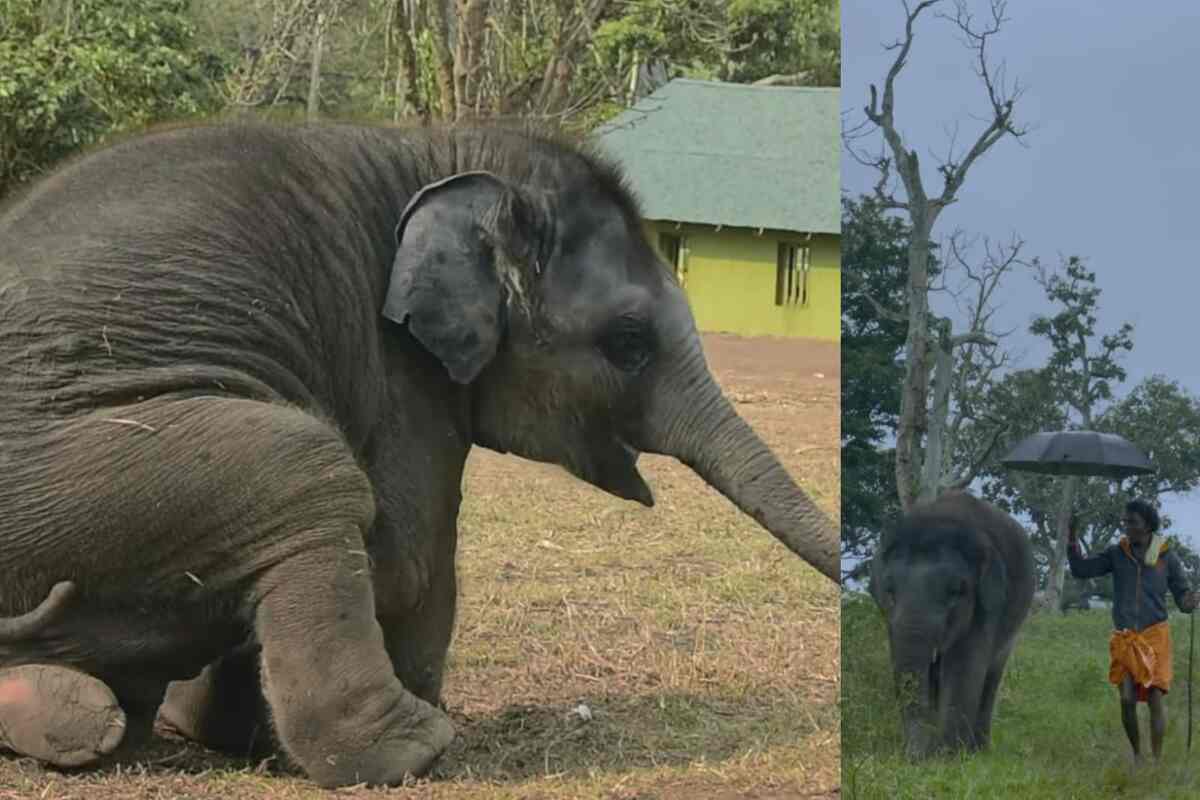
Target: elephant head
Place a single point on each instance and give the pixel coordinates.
(939, 584)
(544, 297)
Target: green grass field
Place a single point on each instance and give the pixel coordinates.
(1056, 733)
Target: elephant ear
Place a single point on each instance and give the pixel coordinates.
(445, 281)
(993, 586)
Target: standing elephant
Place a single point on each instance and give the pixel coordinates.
(955, 581)
(241, 368)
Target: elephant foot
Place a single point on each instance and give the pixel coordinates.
(244, 739)
(222, 708)
(411, 752)
(58, 715)
(338, 709)
(406, 748)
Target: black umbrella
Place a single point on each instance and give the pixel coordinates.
(1078, 453)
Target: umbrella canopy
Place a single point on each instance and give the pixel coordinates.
(1078, 453)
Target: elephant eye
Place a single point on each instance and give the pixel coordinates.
(627, 344)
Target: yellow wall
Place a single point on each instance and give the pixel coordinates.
(730, 281)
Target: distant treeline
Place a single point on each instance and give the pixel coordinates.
(74, 71)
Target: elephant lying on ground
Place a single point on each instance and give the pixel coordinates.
(241, 367)
(955, 581)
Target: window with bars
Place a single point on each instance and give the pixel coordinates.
(791, 275)
(671, 248)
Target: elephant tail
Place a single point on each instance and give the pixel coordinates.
(16, 628)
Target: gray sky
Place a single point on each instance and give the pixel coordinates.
(1111, 170)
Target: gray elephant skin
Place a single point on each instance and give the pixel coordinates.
(954, 580)
(241, 368)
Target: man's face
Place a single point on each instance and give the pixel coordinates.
(1134, 525)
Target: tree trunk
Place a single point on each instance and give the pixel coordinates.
(1054, 578)
(634, 72)
(314, 70)
(472, 15)
(405, 99)
(936, 442)
(915, 391)
(439, 34)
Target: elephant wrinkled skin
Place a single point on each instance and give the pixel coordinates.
(241, 368)
(954, 580)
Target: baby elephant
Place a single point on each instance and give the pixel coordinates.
(954, 579)
(242, 367)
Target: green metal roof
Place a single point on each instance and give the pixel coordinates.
(732, 154)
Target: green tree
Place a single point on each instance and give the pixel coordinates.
(73, 71)
(1083, 376)
(1077, 388)
(1159, 415)
(785, 41)
(1082, 373)
(571, 63)
(874, 253)
(743, 41)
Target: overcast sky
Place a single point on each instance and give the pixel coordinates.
(1110, 171)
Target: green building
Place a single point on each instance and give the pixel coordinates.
(740, 188)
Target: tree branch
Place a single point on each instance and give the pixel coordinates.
(966, 477)
(1000, 98)
(795, 79)
(883, 311)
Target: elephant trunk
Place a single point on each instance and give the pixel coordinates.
(691, 420)
(917, 663)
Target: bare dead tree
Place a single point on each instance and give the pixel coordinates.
(923, 210)
(964, 365)
(291, 35)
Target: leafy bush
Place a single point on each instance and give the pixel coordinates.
(74, 71)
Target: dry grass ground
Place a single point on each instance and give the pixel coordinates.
(707, 655)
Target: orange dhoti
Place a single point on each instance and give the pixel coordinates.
(1144, 655)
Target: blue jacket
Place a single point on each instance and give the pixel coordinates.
(1131, 609)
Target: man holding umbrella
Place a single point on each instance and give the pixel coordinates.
(1144, 568)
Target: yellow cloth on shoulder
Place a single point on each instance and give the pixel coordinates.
(1144, 655)
(1157, 546)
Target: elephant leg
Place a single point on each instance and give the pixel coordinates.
(198, 501)
(987, 701)
(418, 639)
(57, 715)
(223, 708)
(963, 680)
(338, 707)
